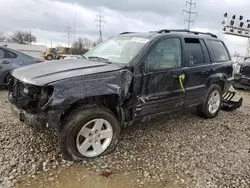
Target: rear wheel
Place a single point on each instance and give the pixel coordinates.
(211, 103)
(88, 133)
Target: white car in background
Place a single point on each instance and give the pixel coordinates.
(74, 57)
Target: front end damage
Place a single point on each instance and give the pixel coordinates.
(45, 106)
(228, 104)
(28, 104)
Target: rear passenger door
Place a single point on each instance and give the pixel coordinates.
(5, 63)
(198, 69)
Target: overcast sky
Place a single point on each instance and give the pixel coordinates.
(48, 19)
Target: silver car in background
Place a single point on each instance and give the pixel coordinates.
(11, 59)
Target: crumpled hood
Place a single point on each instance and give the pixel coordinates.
(51, 71)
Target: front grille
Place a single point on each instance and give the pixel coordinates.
(245, 70)
(17, 87)
(23, 95)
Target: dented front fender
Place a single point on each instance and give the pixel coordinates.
(69, 91)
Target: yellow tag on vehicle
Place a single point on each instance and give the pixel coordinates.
(181, 78)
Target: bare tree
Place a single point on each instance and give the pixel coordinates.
(94, 44)
(87, 43)
(23, 37)
(3, 36)
(80, 46)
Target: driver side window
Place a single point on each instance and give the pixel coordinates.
(165, 55)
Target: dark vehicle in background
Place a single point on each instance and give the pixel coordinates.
(122, 81)
(11, 59)
(242, 75)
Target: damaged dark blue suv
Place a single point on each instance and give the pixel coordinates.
(122, 81)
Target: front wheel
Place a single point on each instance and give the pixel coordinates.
(89, 133)
(211, 103)
(49, 57)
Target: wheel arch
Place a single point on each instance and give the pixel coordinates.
(219, 79)
(111, 102)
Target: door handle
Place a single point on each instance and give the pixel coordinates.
(178, 76)
(5, 62)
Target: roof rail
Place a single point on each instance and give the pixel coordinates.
(186, 31)
(123, 33)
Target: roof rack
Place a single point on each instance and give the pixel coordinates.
(186, 31)
(123, 33)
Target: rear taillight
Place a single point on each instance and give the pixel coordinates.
(39, 61)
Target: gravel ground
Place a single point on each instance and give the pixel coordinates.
(184, 148)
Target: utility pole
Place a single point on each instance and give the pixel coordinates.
(189, 12)
(68, 31)
(100, 22)
(248, 48)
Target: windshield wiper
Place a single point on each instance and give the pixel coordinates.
(100, 59)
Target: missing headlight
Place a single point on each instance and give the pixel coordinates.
(46, 93)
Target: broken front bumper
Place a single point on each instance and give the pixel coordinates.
(49, 119)
(37, 120)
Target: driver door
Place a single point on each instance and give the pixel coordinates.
(161, 88)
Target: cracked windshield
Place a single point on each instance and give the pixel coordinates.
(107, 94)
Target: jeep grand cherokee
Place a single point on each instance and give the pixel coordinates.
(121, 81)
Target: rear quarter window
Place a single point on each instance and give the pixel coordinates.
(11, 54)
(219, 50)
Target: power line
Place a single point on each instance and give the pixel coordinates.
(100, 21)
(189, 12)
(68, 31)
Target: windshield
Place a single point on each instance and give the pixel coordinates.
(121, 49)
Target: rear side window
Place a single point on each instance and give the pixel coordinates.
(219, 51)
(11, 55)
(7, 54)
(194, 52)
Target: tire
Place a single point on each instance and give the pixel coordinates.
(7, 78)
(49, 57)
(76, 121)
(204, 109)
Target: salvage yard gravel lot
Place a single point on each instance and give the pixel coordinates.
(181, 148)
